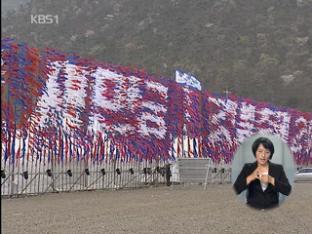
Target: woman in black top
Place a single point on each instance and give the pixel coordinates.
(263, 179)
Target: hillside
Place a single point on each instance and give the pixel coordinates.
(256, 49)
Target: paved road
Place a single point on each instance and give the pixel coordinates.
(175, 209)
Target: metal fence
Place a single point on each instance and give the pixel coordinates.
(203, 171)
(38, 178)
(34, 177)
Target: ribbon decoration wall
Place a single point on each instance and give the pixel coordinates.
(231, 120)
(82, 104)
(60, 105)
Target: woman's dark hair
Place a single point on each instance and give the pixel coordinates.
(266, 144)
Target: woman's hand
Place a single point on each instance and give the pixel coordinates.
(267, 179)
(254, 175)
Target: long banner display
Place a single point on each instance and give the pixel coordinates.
(58, 105)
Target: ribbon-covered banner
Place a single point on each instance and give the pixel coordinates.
(57, 105)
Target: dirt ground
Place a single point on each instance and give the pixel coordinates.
(174, 209)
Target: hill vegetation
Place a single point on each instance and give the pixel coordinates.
(256, 49)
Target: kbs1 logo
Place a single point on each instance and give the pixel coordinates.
(44, 19)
